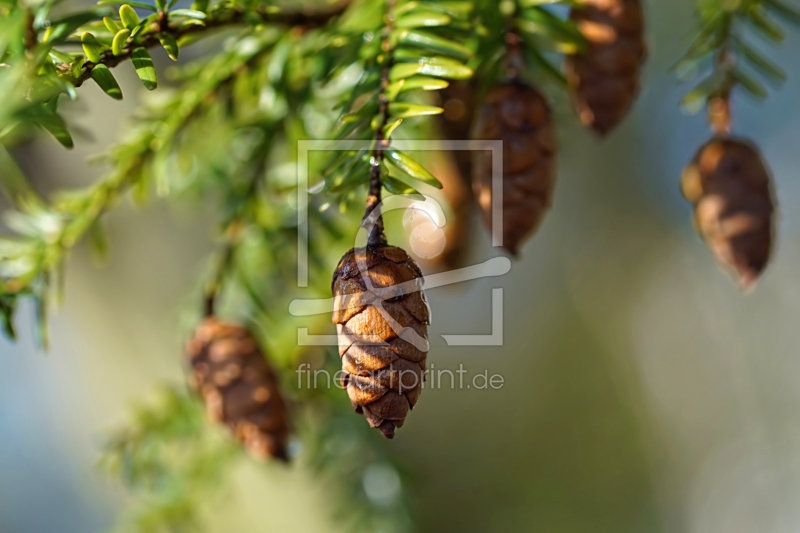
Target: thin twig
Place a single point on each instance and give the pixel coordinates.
(30, 32)
(719, 114)
(376, 236)
(215, 285)
(719, 107)
(514, 63)
(234, 229)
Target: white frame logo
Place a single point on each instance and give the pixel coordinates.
(496, 266)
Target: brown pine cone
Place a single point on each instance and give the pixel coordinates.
(518, 115)
(604, 80)
(382, 319)
(731, 189)
(239, 387)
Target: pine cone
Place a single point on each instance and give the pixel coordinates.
(519, 116)
(731, 189)
(382, 319)
(239, 387)
(604, 80)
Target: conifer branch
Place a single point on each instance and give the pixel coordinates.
(80, 213)
(722, 49)
(218, 19)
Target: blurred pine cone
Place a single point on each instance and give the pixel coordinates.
(458, 105)
(442, 249)
(518, 115)
(604, 79)
(454, 172)
(239, 387)
(383, 333)
(731, 189)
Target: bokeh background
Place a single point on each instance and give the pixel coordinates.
(643, 392)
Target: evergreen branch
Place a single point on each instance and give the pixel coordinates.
(169, 452)
(51, 230)
(219, 18)
(721, 49)
(517, 38)
(406, 59)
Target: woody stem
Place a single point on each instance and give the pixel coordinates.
(380, 142)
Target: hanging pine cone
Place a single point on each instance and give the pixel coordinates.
(239, 387)
(518, 115)
(604, 79)
(383, 332)
(731, 189)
